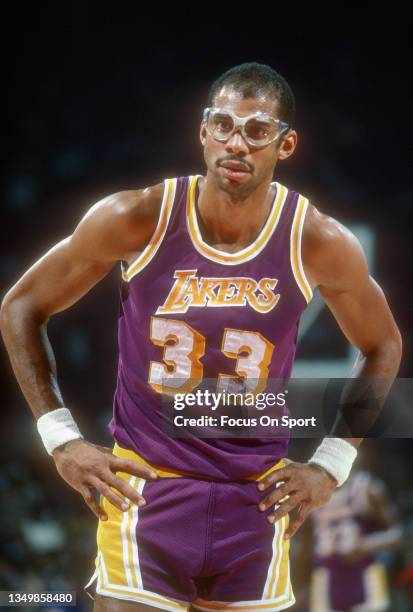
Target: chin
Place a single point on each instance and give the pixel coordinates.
(233, 186)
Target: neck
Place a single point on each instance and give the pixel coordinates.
(232, 218)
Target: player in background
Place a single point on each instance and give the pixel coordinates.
(342, 541)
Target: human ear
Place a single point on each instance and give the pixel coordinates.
(288, 144)
(202, 134)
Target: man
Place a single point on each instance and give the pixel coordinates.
(216, 273)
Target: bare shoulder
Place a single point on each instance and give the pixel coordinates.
(134, 205)
(128, 208)
(122, 222)
(330, 251)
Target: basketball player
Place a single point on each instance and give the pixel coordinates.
(216, 271)
(349, 531)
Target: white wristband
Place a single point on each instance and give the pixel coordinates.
(336, 456)
(56, 428)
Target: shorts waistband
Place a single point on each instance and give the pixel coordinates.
(165, 472)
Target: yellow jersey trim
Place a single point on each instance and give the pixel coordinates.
(155, 242)
(248, 252)
(164, 472)
(295, 249)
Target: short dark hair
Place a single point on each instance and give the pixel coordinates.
(251, 80)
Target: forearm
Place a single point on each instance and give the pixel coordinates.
(382, 363)
(31, 356)
(360, 404)
(366, 391)
(382, 540)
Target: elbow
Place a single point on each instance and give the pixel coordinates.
(386, 357)
(396, 348)
(8, 311)
(15, 308)
(392, 353)
(5, 310)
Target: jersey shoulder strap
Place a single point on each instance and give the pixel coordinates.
(172, 187)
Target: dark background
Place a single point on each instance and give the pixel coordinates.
(104, 100)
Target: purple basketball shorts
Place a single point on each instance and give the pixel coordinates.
(353, 586)
(196, 542)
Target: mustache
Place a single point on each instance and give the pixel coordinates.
(235, 159)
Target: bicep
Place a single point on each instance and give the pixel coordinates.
(355, 299)
(109, 229)
(59, 279)
(362, 312)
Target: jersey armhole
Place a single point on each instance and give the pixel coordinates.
(295, 248)
(155, 241)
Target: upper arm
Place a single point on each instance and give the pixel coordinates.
(335, 262)
(111, 228)
(381, 504)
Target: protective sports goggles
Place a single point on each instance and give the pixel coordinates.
(258, 129)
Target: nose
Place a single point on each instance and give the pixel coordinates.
(236, 144)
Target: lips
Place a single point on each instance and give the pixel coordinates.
(234, 170)
(235, 166)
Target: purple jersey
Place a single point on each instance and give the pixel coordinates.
(190, 312)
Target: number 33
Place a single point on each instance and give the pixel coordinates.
(181, 369)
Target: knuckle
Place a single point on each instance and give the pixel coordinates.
(119, 486)
(116, 462)
(131, 494)
(118, 483)
(103, 466)
(94, 471)
(290, 503)
(113, 499)
(270, 479)
(105, 490)
(100, 473)
(282, 489)
(112, 480)
(269, 500)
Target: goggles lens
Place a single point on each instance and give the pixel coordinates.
(259, 129)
